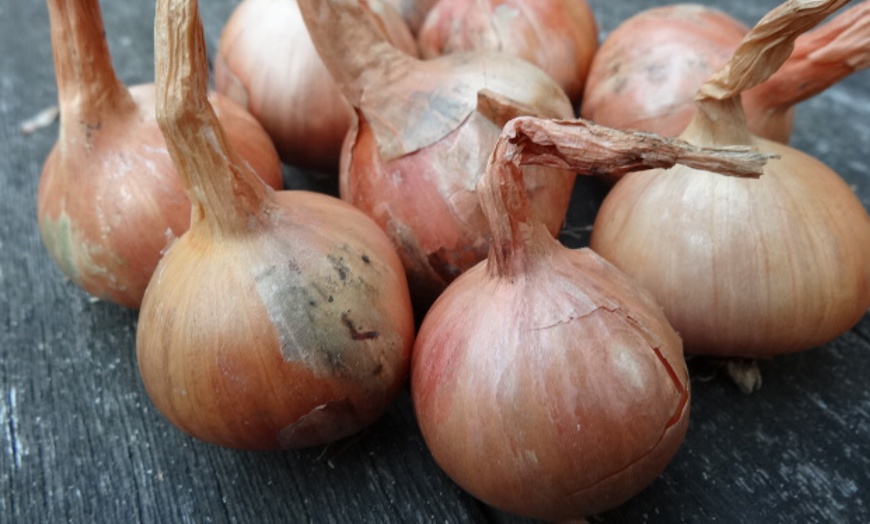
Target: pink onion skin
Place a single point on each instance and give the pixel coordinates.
(559, 36)
(267, 63)
(556, 394)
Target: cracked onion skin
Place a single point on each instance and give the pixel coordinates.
(109, 200)
(545, 381)
(279, 319)
(556, 394)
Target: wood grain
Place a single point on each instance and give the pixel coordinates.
(80, 441)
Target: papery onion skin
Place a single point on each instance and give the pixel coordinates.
(439, 238)
(109, 200)
(556, 394)
(267, 64)
(749, 268)
(413, 11)
(296, 336)
(559, 36)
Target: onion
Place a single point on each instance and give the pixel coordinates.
(559, 36)
(279, 319)
(647, 71)
(545, 381)
(745, 268)
(420, 142)
(108, 194)
(267, 63)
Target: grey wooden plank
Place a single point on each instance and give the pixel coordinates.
(80, 441)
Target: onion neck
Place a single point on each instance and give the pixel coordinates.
(820, 59)
(351, 46)
(518, 239)
(86, 81)
(225, 195)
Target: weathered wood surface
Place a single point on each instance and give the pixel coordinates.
(80, 441)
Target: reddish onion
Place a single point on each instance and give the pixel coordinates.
(559, 36)
(421, 143)
(649, 68)
(109, 198)
(267, 63)
(278, 318)
(745, 268)
(545, 381)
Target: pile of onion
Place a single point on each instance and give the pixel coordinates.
(109, 199)
(647, 71)
(559, 36)
(267, 63)
(745, 268)
(545, 381)
(420, 141)
(279, 319)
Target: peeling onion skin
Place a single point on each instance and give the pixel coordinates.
(439, 238)
(420, 140)
(559, 36)
(279, 319)
(267, 64)
(109, 200)
(745, 268)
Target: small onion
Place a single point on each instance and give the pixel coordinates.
(109, 199)
(559, 36)
(649, 68)
(279, 319)
(745, 268)
(421, 141)
(267, 63)
(545, 381)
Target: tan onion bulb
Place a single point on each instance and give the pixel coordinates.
(647, 71)
(109, 199)
(745, 268)
(559, 36)
(545, 381)
(279, 319)
(421, 141)
(267, 63)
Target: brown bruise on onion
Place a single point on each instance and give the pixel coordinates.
(109, 201)
(545, 381)
(279, 319)
(745, 268)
